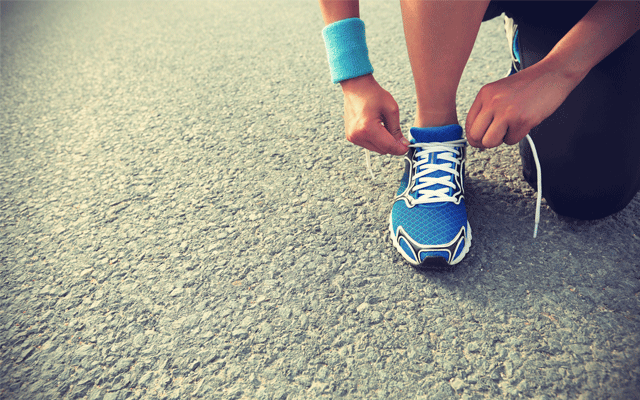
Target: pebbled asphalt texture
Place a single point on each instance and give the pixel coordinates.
(181, 217)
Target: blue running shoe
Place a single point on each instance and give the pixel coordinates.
(428, 221)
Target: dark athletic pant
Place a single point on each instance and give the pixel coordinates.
(589, 149)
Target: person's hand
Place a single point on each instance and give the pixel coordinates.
(505, 111)
(371, 116)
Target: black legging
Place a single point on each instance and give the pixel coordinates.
(589, 149)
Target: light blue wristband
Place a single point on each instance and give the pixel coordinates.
(347, 49)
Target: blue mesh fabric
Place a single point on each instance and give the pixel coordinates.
(406, 248)
(430, 224)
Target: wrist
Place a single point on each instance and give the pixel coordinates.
(355, 84)
(566, 74)
(569, 71)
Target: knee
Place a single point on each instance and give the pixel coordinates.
(594, 203)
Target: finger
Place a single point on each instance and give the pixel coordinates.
(372, 147)
(495, 134)
(380, 138)
(515, 135)
(363, 141)
(478, 129)
(370, 136)
(400, 144)
(391, 122)
(473, 114)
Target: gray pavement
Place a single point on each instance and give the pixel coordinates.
(181, 217)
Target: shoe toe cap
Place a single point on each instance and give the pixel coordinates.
(430, 233)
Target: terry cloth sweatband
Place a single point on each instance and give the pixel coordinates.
(346, 49)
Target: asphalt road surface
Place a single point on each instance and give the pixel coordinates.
(181, 217)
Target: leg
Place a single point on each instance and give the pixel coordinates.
(440, 36)
(589, 147)
(428, 222)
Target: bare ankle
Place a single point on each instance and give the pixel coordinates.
(434, 118)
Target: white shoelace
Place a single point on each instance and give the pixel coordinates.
(432, 196)
(445, 151)
(539, 197)
(367, 159)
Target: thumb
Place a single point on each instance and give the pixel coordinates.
(391, 123)
(388, 144)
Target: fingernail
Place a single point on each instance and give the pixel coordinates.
(404, 141)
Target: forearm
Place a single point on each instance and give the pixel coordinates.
(605, 28)
(336, 10)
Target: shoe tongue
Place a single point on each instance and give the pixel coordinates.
(438, 134)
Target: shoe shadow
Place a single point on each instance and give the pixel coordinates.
(573, 270)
